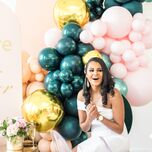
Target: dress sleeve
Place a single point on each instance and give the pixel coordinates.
(81, 105)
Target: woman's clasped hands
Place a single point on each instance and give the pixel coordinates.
(92, 111)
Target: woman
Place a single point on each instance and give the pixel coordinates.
(101, 110)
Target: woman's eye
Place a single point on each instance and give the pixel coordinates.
(91, 70)
(100, 70)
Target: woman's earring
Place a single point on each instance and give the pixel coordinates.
(88, 84)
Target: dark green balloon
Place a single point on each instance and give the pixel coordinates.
(83, 48)
(122, 1)
(73, 63)
(49, 59)
(70, 106)
(77, 83)
(53, 87)
(133, 7)
(66, 75)
(121, 86)
(56, 75)
(69, 128)
(66, 89)
(110, 3)
(106, 60)
(94, 15)
(48, 78)
(66, 46)
(99, 10)
(128, 114)
(80, 139)
(72, 30)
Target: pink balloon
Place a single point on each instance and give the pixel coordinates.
(139, 85)
(118, 70)
(117, 48)
(115, 58)
(147, 40)
(98, 43)
(98, 28)
(126, 43)
(143, 61)
(44, 145)
(135, 36)
(133, 65)
(112, 17)
(139, 16)
(52, 37)
(138, 25)
(108, 42)
(138, 48)
(128, 56)
(86, 36)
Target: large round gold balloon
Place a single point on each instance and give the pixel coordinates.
(90, 55)
(71, 11)
(43, 109)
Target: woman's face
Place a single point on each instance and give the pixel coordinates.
(94, 73)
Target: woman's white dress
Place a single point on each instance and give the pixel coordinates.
(102, 138)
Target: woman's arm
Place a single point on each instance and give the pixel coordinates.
(86, 117)
(117, 123)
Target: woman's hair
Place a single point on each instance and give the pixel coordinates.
(107, 85)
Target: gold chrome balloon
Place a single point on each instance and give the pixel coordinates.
(43, 109)
(90, 55)
(66, 11)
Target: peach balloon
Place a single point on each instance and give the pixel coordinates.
(33, 86)
(139, 85)
(24, 86)
(44, 145)
(46, 136)
(35, 67)
(39, 77)
(26, 72)
(112, 17)
(32, 78)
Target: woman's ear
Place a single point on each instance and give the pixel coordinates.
(85, 70)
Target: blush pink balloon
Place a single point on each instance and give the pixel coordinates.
(115, 58)
(147, 40)
(117, 48)
(132, 66)
(98, 28)
(118, 70)
(135, 36)
(108, 42)
(138, 25)
(128, 56)
(52, 36)
(86, 36)
(98, 43)
(112, 17)
(143, 60)
(139, 85)
(138, 48)
(44, 145)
